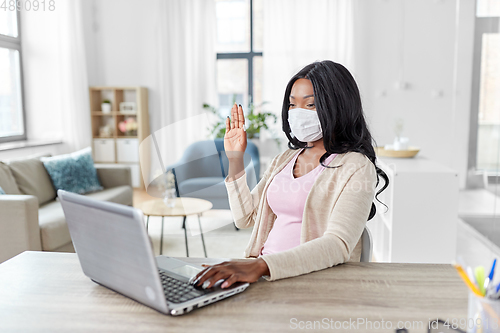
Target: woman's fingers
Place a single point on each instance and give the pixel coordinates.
(202, 276)
(227, 124)
(236, 117)
(233, 115)
(230, 281)
(207, 276)
(220, 275)
(241, 118)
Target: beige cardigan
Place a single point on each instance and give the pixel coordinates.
(335, 214)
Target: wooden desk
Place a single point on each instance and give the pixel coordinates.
(42, 291)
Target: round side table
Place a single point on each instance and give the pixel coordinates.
(183, 207)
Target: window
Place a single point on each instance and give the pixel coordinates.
(487, 8)
(12, 119)
(239, 53)
(484, 149)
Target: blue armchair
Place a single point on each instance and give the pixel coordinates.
(201, 171)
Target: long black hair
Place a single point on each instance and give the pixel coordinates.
(338, 104)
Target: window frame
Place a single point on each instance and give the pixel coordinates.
(245, 55)
(14, 43)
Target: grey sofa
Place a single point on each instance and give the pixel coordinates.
(31, 217)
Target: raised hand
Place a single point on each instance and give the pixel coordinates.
(235, 140)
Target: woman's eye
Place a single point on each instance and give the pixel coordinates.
(291, 105)
(310, 105)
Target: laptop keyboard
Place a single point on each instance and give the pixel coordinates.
(177, 291)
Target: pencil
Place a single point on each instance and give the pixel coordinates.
(467, 281)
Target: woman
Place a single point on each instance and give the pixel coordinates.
(311, 206)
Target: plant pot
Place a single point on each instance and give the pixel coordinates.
(106, 107)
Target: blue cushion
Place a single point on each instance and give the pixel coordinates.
(73, 172)
(2, 191)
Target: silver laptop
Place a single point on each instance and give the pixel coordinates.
(115, 251)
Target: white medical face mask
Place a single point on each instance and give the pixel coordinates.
(305, 125)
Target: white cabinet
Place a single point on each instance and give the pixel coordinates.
(104, 150)
(127, 150)
(420, 225)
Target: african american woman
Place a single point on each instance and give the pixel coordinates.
(311, 206)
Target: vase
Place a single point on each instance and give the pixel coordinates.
(169, 197)
(106, 107)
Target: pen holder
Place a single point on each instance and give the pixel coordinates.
(483, 314)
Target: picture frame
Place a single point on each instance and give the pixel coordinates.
(128, 108)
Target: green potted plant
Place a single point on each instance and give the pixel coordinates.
(106, 106)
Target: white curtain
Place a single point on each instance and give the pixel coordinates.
(72, 75)
(186, 75)
(299, 32)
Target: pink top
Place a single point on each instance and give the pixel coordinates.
(286, 195)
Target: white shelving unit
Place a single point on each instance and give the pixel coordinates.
(420, 225)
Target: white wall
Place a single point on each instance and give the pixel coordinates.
(396, 41)
(416, 43)
(121, 45)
